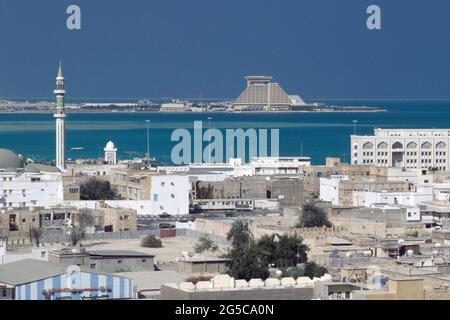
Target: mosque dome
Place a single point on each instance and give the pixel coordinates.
(110, 146)
(9, 160)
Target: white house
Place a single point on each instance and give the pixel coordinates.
(170, 194)
(36, 186)
(413, 199)
(329, 188)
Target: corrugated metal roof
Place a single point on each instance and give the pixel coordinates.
(29, 270)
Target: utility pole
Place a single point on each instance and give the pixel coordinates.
(209, 139)
(148, 143)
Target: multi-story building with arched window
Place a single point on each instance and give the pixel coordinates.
(423, 149)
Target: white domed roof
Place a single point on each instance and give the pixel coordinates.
(110, 146)
(9, 159)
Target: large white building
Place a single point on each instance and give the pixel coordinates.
(170, 194)
(235, 168)
(420, 149)
(33, 185)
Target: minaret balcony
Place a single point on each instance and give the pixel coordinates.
(59, 91)
(59, 115)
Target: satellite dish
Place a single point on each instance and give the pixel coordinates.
(437, 245)
(367, 253)
(279, 273)
(409, 252)
(349, 254)
(401, 241)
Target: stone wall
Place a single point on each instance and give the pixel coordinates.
(224, 287)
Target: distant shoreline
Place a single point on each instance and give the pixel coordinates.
(191, 112)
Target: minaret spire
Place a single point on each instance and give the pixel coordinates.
(60, 118)
(60, 73)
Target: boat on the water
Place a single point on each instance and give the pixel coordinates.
(76, 148)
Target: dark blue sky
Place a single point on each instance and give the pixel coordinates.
(169, 48)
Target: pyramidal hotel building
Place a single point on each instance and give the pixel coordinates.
(263, 95)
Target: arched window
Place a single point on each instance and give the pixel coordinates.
(412, 145)
(397, 145)
(426, 145)
(441, 145)
(368, 145)
(382, 145)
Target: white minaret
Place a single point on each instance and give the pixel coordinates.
(60, 117)
(110, 153)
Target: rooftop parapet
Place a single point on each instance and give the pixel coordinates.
(225, 282)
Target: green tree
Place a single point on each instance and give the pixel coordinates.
(294, 272)
(283, 250)
(247, 263)
(245, 260)
(290, 251)
(96, 189)
(313, 216)
(267, 245)
(205, 244)
(312, 269)
(309, 269)
(240, 234)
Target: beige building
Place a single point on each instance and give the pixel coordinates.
(202, 266)
(132, 184)
(112, 219)
(333, 166)
(95, 169)
(15, 222)
(71, 190)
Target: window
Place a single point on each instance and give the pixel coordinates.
(73, 190)
(119, 261)
(143, 260)
(155, 197)
(93, 266)
(163, 184)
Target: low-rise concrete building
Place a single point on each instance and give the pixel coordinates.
(202, 265)
(111, 261)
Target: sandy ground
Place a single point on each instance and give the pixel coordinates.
(172, 248)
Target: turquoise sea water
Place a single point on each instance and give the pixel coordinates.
(321, 134)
